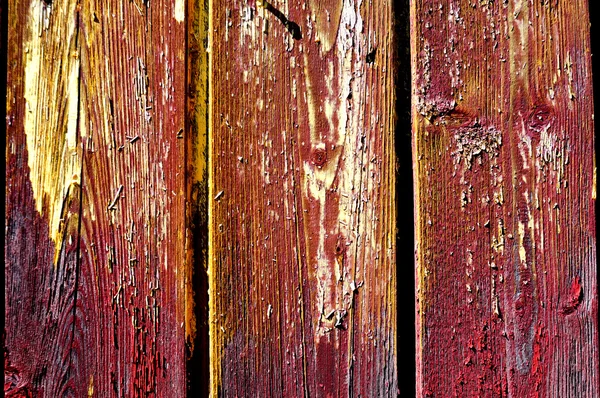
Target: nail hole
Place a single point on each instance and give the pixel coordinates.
(371, 56)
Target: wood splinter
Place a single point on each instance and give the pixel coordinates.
(112, 205)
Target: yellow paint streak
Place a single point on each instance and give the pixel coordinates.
(199, 82)
(51, 85)
(91, 387)
(522, 253)
(214, 337)
(594, 189)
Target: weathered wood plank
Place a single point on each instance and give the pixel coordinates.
(505, 190)
(95, 264)
(43, 201)
(302, 199)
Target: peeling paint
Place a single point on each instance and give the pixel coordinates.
(474, 140)
(51, 117)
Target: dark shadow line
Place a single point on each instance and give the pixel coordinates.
(405, 237)
(198, 365)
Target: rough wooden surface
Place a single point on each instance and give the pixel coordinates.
(301, 203)
(505, 190)
(95, 196)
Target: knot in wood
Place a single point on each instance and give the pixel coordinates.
(319, 157)
(539, 119)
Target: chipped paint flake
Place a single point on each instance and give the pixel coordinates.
(179, 11)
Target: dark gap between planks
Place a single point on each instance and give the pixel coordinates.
(198, 366)
(405, 236)
(198, 360)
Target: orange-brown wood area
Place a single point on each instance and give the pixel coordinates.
(505, 194)
(95, 199)
(302, 199)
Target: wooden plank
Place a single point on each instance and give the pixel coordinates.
(505, 195)
(302, 199)
(43, 201)
(95, 270)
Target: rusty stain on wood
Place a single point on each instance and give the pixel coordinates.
(302, 264)
(95, 300)
(504, 182)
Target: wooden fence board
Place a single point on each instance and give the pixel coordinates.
(505, 190)
(95, 221)
(43, 201)
(302, 199)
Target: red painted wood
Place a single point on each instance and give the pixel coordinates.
(302, 247)
(505, 192)
(95, 303)
(40, 293)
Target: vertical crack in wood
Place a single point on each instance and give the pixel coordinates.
(298, 205)
(404, 206)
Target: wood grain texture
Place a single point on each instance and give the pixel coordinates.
(43, 203)
(302, 199)
(505, 190)
(95, 222)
